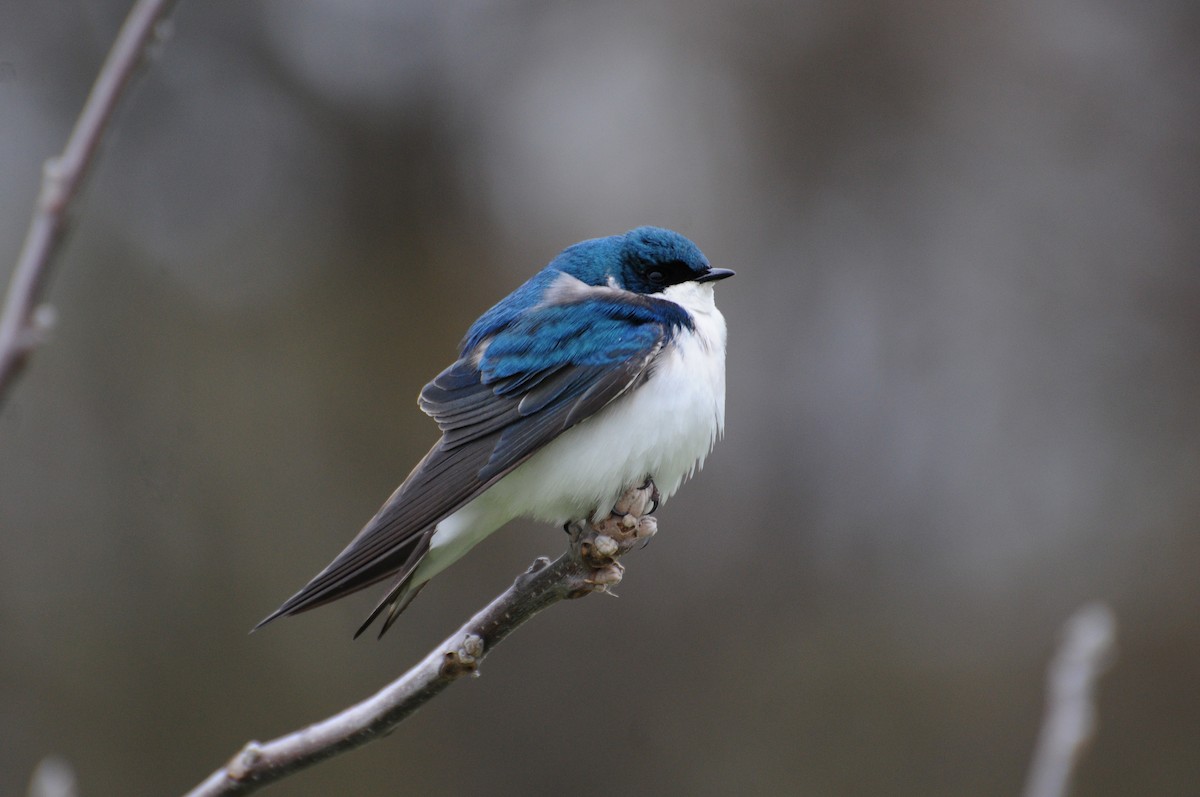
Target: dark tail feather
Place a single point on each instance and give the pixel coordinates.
(397, 600)
(401, 593)
(317, 592)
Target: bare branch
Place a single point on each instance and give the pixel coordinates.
(1086, 651)
(23, 325)
(53, 777)
(589, 565)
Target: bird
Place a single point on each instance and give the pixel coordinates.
(603, 371)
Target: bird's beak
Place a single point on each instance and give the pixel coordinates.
(714, 274)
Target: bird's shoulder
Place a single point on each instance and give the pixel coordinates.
(557, 319)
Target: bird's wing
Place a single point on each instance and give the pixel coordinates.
(496, 406)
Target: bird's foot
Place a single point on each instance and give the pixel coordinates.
(638, 501)
(600, 542)
(633, 511)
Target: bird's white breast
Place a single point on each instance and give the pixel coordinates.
(662, 429)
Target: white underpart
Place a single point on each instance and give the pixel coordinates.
(662, 430)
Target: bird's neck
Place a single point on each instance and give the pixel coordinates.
(697, 298)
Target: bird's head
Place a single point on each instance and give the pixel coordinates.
(646, 260)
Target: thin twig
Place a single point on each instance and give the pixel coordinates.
(1087, 649)
(589, 565)
(23, 324)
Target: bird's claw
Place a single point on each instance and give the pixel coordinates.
(655, 496)
(599, 542)
(638, 501)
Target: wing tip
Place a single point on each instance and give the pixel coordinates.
(289, 607)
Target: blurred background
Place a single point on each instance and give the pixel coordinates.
(964, 387)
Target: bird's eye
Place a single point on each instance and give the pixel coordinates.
(656, 277)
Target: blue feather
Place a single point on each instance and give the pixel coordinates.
(595, 332)
(619, 260)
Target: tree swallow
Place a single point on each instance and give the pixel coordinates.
(603, 371)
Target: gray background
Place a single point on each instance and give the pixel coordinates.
(964, 393)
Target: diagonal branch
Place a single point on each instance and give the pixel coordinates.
(23, 324)
(1085, 653)
(589, 565)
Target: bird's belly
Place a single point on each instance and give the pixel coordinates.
(662, 429)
